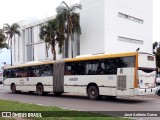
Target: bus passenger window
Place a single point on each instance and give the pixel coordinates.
(68, 70)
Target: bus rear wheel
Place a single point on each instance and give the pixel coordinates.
(13, 88)
(93, 92)
(40, 90)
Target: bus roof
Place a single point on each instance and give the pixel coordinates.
(91, 57)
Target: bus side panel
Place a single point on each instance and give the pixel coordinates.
(7, 87)
(47, 83)
(125, 81)
(109, 91)
(17, 81)
(105, 83)
(6, 84)
(75, 89)
(30, 83)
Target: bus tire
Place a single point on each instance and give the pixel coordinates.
(13, 88)
(93, 93)
(40, 90)
(57, 93)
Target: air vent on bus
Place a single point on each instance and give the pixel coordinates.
(121, 82)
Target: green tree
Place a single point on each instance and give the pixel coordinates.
(69, 21)
(3, 38)
(51, 36)
(11, 31)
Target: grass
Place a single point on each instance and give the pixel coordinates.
(53, 113)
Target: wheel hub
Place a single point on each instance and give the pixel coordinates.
(93, 92)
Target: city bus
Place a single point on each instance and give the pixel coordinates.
(112, 75)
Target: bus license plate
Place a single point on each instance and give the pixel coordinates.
(147, 84)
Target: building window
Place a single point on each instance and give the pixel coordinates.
(18, 50)
(122, 15)
(130, 40)
(23, 45)
(39, 27)
(66, 49)
(15, 48)
(30, 35)
(30, 53)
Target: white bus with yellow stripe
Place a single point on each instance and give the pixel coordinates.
(125, 74)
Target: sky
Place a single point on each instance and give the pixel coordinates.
(28, 9)
(15, 10)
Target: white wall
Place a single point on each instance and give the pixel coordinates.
(101, 26)
(92, 26)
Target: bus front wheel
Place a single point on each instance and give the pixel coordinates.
(93, 92)
(40, 90)
(13, 88)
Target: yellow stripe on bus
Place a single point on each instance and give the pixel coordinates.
(92, 57)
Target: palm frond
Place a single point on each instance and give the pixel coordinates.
(76, 23)
(75, 7)
(60, 9)
(3, 38)
(64, 4)
(11, 30)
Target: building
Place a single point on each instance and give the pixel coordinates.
(29, 47)
(108, 26)
(111, 26)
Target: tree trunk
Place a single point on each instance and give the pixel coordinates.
(54, 54)
(53, 51)
(46, 50)
(66, 52)
(72, 45)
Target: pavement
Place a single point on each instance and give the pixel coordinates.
(1, 86)
(140, 97)
(77, 101)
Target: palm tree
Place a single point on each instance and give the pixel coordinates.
(11, 31)
(51, 36)
(3, 38)
(69, 21)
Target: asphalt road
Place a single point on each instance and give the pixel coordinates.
(81, 102)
